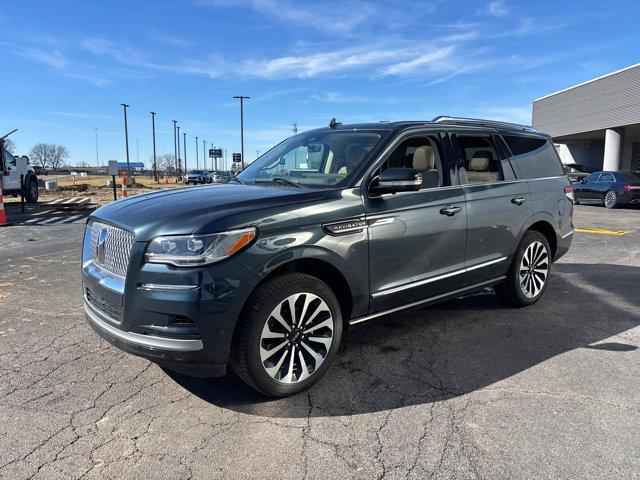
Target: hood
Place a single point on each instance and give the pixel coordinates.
(201, 209)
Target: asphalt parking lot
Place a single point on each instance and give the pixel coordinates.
(465, 389)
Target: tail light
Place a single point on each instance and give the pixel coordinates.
(569, 192)
(631, 187)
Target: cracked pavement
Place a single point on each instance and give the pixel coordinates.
(464, 389)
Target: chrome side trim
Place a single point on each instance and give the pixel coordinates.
(435, 279)
(442, 296)
(567, 234)
(145, 341)
(157, 286)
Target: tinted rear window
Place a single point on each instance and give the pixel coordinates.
(535, 157)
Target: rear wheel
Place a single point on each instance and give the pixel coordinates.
(528, 274)
(610, 199)
(289, 336)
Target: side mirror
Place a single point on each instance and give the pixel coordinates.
(394, 180)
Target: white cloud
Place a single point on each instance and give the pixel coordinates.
(497, 9)
(431, 60)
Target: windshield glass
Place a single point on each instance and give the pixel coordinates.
(196, 172)
(315, 159)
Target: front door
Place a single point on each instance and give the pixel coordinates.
(416, 239)
(12, 180)
(588, 190)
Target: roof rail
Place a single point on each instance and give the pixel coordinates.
(478, 121)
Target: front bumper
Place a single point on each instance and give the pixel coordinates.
(182, 319)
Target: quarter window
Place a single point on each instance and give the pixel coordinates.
(535, 157)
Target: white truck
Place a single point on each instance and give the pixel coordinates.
(13, 168)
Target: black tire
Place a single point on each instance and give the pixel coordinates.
(512, 291)
(610, 199)
(31, 190)
(245, 356)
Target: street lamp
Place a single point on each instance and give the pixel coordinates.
(126, 137)
(97, 156)
(184, 146)
(197, 164)
(204, 155)
(179, 170)
(175, 148)
(241, 98)
(153, 129)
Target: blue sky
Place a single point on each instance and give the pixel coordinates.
(67, 65)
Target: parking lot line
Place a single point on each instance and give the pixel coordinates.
(601, 231)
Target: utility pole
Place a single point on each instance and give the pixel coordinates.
(242, 98)
(197, 165)
(97, 156)
(175, 148)
(126, 137)
(138, 149)
(179, 170)
(213, 159)
(153, 129)
(295, 129)
(184, 146)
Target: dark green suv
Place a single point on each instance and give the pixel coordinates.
(331, 228)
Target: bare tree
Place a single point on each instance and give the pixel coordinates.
(10, 145)
(166, 162)
(82, 164)
(59, 154)
(40, 154)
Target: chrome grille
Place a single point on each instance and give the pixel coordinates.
(115, 253)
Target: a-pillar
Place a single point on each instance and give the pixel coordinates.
(612, 149)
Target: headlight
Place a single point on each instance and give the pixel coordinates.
(195, 250)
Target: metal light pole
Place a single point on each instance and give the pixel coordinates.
(204, 155)
(179, 170)
(212, 158)
(97, 156)
(153, 129)
(126, 137)
(197, 164)
(184, 146)
(242, 98)
(175, 148)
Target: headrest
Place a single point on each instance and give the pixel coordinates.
(424, 159)
(480, 162)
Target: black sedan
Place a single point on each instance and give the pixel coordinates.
(609, 189)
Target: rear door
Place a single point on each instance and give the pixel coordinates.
(498, 205)
(417, 240)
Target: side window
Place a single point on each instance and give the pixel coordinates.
(422, 154)
(480, 160)
(592, 178)
(607, 177)
(536, 157)
(8, 158)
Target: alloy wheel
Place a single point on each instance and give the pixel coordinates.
(610, 199)
(296, 338)
(534, 269)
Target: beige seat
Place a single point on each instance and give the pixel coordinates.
(479, 168)
(424, 160)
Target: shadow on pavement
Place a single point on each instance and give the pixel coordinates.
(454, 348)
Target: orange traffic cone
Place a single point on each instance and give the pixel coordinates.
(124, 187)
(3, 214)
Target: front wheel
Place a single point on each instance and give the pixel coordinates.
(31, 195)
(610, 199)
(528, 274)
(289, 336)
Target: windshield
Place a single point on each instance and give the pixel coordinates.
(196, 172)
(315, 159)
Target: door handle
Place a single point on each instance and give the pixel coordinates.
(450, 210)
(519, 200)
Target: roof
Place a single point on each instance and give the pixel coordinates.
(440, 120)
(601, 77)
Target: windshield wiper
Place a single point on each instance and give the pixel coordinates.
(277, 179)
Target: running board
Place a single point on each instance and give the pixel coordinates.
(430, 300)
